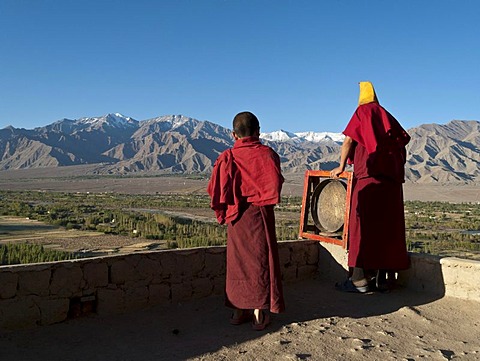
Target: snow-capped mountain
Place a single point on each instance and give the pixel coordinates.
(115, 120)
(284, 136)
(322, 136)
(175, 143)
(279, 136)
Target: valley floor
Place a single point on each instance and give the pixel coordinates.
(78, 179)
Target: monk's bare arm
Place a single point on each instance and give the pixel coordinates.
(345, 151)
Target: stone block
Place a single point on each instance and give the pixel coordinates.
(474, 293)
(284, 254)
(134, 259)
(218, 285)
(53, 310)
(405, 277)
(155, 256)
(110, 301)
(431, 276)
(334, 255)
(16, 314)
(136, 298)
(34, 282)
(289, 274)
(190, 263)
(150, 269)
(134, 284)
(425, 274)
(299, 254)
(306, 272)
(95, 274)
(8, 284)
(458, 278)
(181, 291)
(215, 263)
(460, 262)
(66, 280)
(450, 275)
(202, 287)
(312, 253)
(284, 267)
(158, 294)
(216, 249)
(465, 275)
(122, 271)
(330, 267)
(168, 262)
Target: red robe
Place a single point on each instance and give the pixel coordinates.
(377, 221)
(245, 185)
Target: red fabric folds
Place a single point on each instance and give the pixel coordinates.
(377, 223)
(374, 127)
(248, 173)
(253, 279)
(384, 139)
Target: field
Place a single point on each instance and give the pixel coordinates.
(21, 229)
(87, 215)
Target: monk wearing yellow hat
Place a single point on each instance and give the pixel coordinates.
(375, 145)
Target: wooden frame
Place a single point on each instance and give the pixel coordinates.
(310, 231)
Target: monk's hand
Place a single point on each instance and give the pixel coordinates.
(334, 173)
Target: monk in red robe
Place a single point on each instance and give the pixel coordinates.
(375, 145)
(244, 187)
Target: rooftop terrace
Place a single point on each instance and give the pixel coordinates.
(433, 316)
(320, 324)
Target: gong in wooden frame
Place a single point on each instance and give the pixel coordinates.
(308, 229)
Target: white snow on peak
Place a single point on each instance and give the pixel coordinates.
(88, 120)
(173, 121)
(120, 118)
(114, 120)
(284, 136)
(278, 136)
(179, 120)
(321, 136)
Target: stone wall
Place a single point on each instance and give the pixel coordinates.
(447, 276)
(42, 294)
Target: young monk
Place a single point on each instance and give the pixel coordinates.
(244, 187)
(375, 144)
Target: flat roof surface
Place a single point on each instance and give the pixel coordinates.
(320, 323)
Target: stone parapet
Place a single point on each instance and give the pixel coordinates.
(461, 278)
(47, 293)
(447, 276)
(42, 294)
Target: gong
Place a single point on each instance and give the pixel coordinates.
(328, 205)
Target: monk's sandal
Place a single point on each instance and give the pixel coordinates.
(348, 286)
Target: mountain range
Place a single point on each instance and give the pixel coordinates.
(118, 144)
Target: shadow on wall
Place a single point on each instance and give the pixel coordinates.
(421, 284)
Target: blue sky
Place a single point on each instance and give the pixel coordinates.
(296, 64)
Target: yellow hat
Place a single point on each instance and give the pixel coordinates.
(367, 93)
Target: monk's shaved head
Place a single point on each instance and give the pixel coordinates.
(245, 124)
